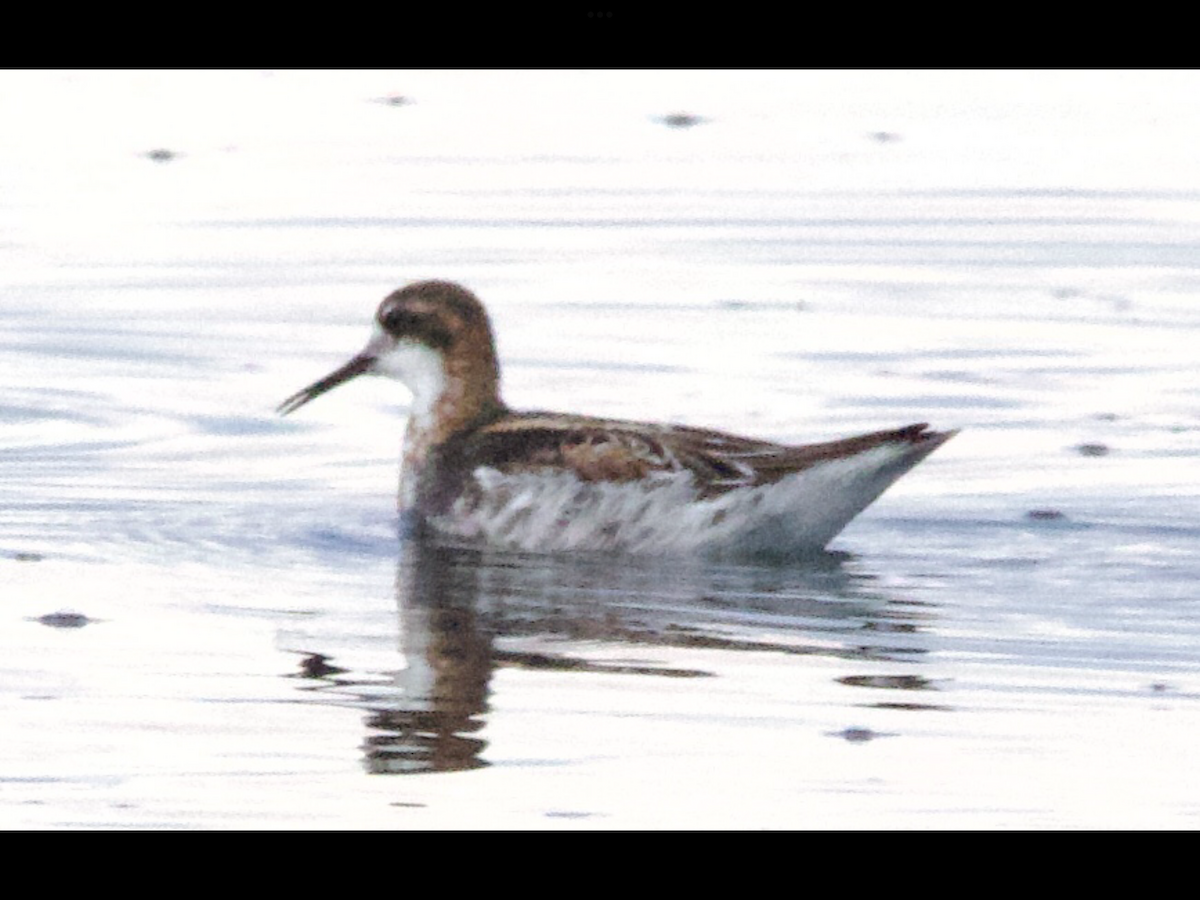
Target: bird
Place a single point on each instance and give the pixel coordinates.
(475, 471)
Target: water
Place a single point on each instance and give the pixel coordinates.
(1008, 638)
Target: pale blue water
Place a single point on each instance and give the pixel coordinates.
(1020, 261)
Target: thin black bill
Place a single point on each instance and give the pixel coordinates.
(357, 366)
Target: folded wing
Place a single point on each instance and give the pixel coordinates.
(605, 450)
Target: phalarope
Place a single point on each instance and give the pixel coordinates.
(472, 468)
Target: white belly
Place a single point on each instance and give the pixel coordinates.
(556, 511)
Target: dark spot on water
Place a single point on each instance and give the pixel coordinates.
(881, 653)
(1092, 449)
(857, 735)
(1159, 687)
(161, 155)
(393, 100)
(1045, 515)
(25, 556)
(893, 682)
(64, 620)
(891, 627)
(317, 665)
(681, 120)
(884, 137)
(408, 805)
(1106, 417)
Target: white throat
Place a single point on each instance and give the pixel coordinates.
(420, 368)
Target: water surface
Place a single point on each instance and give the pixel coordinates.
(210, 619)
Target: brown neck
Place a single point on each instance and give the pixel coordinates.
(467, 398)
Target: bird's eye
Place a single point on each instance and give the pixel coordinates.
(399, 321)
(424, 327)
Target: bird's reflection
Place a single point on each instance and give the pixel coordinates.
(463, 612)
(447, 652)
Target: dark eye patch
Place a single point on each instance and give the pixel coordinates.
(423, 327)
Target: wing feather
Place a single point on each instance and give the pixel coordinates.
(607, 450)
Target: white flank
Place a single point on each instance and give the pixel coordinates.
(552, 511)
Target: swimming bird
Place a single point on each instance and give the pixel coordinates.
(474, 469)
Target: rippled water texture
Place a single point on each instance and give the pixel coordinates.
(210, 620)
